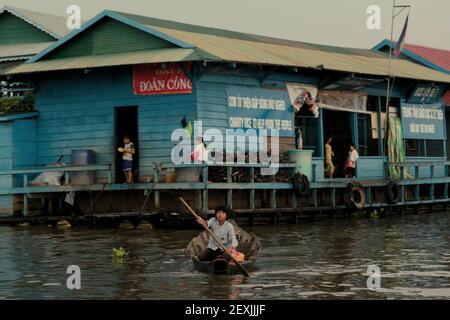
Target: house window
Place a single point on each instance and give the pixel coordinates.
(434, 148)
(424, 148)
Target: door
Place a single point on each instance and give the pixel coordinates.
(126, 124)
(336, 124)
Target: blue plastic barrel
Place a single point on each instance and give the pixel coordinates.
(303, 160)
(82, 158)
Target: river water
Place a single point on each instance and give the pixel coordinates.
(311, 260)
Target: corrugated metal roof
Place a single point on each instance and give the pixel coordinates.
(438, 57)
(8, 66)
(154, 22)
(108, 60)
(223, 45)
(53, 25)
(21, 51)
(231, 49)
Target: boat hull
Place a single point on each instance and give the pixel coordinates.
(249, 245)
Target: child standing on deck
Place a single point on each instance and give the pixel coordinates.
(127, 158)
(350, 165)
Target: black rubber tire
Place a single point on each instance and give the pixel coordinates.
(392, 192)
(354, 196)
(301, 185)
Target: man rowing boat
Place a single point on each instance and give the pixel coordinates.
(224, 230)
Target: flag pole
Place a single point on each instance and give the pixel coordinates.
(390, 86)
(388, 94)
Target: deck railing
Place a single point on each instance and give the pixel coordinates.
(416, 165)
(229, 185)
(25, 172)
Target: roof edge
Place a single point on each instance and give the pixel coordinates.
(115, 16)
(412, 55)
(20, 16)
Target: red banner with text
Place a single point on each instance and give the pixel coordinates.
(152, 79)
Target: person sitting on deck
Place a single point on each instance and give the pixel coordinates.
(127, 158)
(200, 152)
(224, 230)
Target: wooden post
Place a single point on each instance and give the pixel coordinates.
(432, 191)
(66, 178)
(369, 195)
(314, 195)
(379, 127)
(205, 190)
(109, 176)
(333, 197)
(229, 191)
(273, 198)
(25, 205)
(156, 192)
(432, 171)
(402, 190)
(320, 137)
(157, 200)
(417, 192)
(294, 199)
(251, 199)
(446, 190)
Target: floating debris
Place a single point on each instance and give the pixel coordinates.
(126, 225)
(144, 225)
(23, 224)
(119, 255)
(63, 224)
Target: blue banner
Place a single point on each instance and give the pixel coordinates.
(423, 121)
(258, 108)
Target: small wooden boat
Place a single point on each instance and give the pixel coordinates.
(249, 245)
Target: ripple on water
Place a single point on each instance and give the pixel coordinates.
(321, 260)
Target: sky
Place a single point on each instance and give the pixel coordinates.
(331, 22)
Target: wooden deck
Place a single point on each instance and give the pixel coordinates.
(156, 186)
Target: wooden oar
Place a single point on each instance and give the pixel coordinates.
(240, 266)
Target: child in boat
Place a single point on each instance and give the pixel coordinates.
(224, 230)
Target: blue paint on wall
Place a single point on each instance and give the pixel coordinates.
(90, 100)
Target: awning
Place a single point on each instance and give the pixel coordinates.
(340, 100)
(334, 108)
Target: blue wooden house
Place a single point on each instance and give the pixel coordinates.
(100, 82)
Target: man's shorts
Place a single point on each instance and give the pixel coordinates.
(127, 165)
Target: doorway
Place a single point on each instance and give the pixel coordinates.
(126, 119)
(336, 124)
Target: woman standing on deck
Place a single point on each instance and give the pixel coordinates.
(330, 169)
